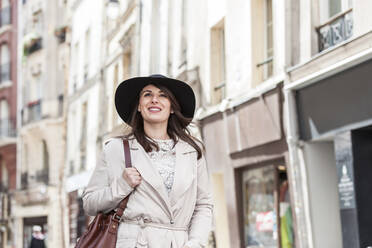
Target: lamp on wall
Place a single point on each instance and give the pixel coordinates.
(113, 9)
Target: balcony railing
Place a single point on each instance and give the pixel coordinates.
(5, 16)
(335, 30)
(4, 72)
(7, 128)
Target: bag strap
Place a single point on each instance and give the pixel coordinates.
(128, 160)
(128, 163)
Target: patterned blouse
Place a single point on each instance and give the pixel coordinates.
(165, 161)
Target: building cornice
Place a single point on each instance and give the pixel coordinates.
(330, 70)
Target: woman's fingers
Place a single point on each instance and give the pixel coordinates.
(132, 176)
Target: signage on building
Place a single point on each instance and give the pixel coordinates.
(346, 189)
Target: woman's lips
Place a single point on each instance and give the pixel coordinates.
(154, 109)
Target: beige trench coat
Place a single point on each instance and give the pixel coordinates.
(153, 218)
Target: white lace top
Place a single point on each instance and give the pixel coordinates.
(165, 161)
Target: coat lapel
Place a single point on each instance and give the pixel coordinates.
(141, 161)
(185, 170)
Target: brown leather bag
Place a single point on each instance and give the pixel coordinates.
(103, 230)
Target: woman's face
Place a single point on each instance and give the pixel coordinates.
(154, 105)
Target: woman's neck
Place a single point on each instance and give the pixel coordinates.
(156, 131)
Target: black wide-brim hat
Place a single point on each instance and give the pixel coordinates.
(128, 91)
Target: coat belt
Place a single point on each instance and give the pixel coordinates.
(145, 223)
(141, 239)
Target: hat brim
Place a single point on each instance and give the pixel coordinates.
(128, 91)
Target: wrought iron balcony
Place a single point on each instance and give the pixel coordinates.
(4, 72)
(7, 128)
(5, 16)
(335, 30)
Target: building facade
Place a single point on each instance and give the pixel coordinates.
(243, 126)
(40, 161)
(86, 21)
(327, 94)
(235, 76)
(8, 120)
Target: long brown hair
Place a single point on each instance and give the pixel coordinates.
(177, 126)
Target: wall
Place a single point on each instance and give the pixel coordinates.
(323, 193)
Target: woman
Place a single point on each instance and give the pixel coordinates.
(170, 202)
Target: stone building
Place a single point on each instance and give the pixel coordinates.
(238, 77)
(8, 118)
(328, 99)
(42, 77)
(86, 21)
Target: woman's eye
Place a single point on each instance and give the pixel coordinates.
(163, 95)
(147, 94)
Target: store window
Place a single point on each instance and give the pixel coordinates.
(266, 208)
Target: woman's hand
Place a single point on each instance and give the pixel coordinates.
(132, 176)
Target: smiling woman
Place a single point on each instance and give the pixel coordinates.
(155, 108)
(168, 183)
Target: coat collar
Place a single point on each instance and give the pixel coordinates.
(184, 166)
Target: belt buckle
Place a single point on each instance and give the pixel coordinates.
(116, 217)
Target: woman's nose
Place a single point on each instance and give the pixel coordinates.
(154, 99)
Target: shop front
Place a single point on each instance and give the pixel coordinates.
(246, 153)
(334, 120)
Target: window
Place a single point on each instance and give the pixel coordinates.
(37, 22)
(86, 54)
(4, 119)
(5, 63)
(262, 42)
(127, 64)
(217, 63)
(4, 175)
(84, 136)
(266, 207)
(268, 70)
(75, 66)
(45, 156)
(5, 12)
(35, 89)
(126, 43)
(331, 8)
(259, 207)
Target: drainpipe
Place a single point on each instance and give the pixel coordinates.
(297, 172)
